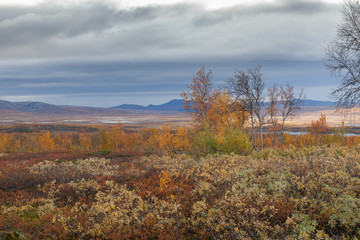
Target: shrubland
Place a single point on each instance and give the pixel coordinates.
(183, 183)
(312, 193)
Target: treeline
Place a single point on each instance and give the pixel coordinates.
(164, 141)
(168, 141)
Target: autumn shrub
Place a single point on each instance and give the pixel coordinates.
(204, 142)
(228, 140)
(289, 193)
(167, 140)
(234, 141)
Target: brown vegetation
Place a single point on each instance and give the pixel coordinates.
(272, 194)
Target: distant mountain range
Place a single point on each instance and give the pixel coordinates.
(176, 105)
(45, 108)
(316, 103)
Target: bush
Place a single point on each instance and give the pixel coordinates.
(311, 193)
(235, 141)
(204, 143)
(229, 140)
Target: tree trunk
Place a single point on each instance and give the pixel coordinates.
(282, 131)
(261, 135)
(253, 132)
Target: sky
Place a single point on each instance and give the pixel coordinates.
(105, 53)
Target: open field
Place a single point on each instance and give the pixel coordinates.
(334, 118)
(133, 119)
(148, 119)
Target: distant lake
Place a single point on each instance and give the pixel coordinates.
(304, 133)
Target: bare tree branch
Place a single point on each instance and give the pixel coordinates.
(248, 89)
(343, 57)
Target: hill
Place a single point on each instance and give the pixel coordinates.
(45, 108)
(177, 105)
(316, 103)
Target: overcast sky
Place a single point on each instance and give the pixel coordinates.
(106, 53)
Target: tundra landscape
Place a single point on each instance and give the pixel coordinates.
(180, 119)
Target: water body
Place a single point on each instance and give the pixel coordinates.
(304, 133)
(296, 133)
(113, 120)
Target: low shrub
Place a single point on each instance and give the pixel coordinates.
(282, 194)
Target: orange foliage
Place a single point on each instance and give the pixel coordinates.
(319, 126)
(119, 138)
(224, 114)
(212, 108)
(85, 142)
(168, 140)
(45, 142)
(199, 99)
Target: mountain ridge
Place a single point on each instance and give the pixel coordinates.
(178, 105)
(173, 106)
(45, 108)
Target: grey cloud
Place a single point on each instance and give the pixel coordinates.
(282, 7)
(289, 29)
(166, 32)
(87, 30)
(95, 48)
(41, 23)
(119, 79)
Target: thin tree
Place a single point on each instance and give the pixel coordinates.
(343, 57)
(248, 89)
(273, 110)
(290, 104)
(198, 98)
(211, 107)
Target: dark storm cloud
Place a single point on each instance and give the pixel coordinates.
(96, 49)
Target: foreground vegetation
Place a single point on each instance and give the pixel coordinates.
(272, 194)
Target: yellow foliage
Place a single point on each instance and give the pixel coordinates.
(181, 140)
(45, 142)
(118, 137)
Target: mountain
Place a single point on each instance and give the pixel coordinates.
(45, 108)
(130, 107)
(316, 103)
(175, 105)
